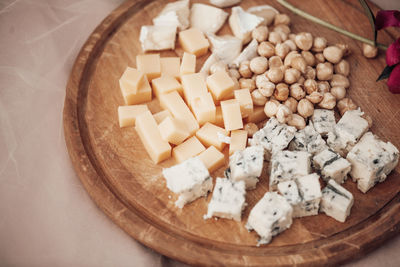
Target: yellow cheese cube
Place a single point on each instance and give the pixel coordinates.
(127, 114)
(166, 84)
(245, 101)
(173, 130)
(160, 116)
(194, 42)
(220, 85)
(231, 114)
(188, 65)
(219, 120)
(190, 148)
(204, 108)
(132, 78)
(147, 129)
(179, 110)
(257, 116)
(238, 141)
(193, 86)
(212, 135)
(170, 66)
(212, 158)
(149, 64)
(142, 95)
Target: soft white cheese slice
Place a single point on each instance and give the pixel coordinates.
(225, 47)
(267, 12)
(174, 14)
(207, 19)
(248, 53)
(225, 3)
(242, 23)
(155, 38)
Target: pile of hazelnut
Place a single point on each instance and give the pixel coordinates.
(294, 73)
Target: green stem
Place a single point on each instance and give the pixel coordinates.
(328, 25)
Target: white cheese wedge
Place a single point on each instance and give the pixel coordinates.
(310, 192)
(308, 139)
(174, 14)
(248, 53)
(336, 201)
(372, 160)
(226, 47)
(242, 23)
(331, 165)
(324, 121)
(225, 3)
(189, 179)
(270, 216)
(207, 19)
(266, 12)
(155, 38)
(228, 200)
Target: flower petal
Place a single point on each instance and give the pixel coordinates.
(387, 18)
(393, 53)
(394, 80)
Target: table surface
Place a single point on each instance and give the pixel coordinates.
(48, 219)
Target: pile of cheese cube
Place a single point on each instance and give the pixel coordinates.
(205, 111)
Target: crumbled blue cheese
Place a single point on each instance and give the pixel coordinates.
(288, 165)
(174, 14)
(347, 132)
(324, 121)
(331, 166)
(308, 139)
(189, 179)
(372, 160)
(228, 200)
(270, 216)
(310, 193)
(336, 201)
(274, 137)
(246, 165)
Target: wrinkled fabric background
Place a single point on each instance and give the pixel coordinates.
(46, 217)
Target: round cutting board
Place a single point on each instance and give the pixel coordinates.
(120, 177)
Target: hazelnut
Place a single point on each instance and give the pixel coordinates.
(251, 128)
(345, 49)
(310, 73)
(260, 33)
(339, 80)
(323, 87)
(283, 113)
(369, 51)
(289, 57)
(308, 57)
(291, 44)
(274, 38)
(310, 86)
(258, 98)
(297, 121)
(265, 87)
(266, 49)
(234, 73)
(291, 76)
(283, 36)
(324, 71)
(315, 97)
(275, 62)
(297, 91)
(299, 63)
(291, 103)
(258, 65)
(282, 50)
(271, 108)
(301, 80)
(281, 19)
(244, 69)
(319, 44)
(338, 92)
(281, 92)
(292, 36)
(342, 67)
(319, 58)
(328, 101)
(333, 54)
(275, 75)
(345, 104)
(304, 41)
(305, 108)
(247, 83)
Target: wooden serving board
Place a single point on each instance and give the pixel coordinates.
(120, 177)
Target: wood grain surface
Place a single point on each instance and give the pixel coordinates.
(120, 177)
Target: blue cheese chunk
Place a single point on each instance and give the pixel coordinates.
(189, 179)
(288, 165)
(310, 193)
(270, 216)
(347, 131)
(228, 200)
(331, 166)
(336, 201)
(273, 137)
(308, 139)
(289, 190)
(246, 165)
(372, 160)
(324, 121)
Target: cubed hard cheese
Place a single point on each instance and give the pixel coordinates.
(220, 85)
(228, 200)
(324, 121)
(142, 95)
(203, 108)
(270, 216)
(219, 119)
(288, 165)
(188, 65)
(193, 86)
(189, 179)
(212, 158)
(245, 101)
(157, 37)
(231, 114)
(160, 116)
(246, 165)
(170, 66)
(147, 129)
(209, 133)
(372, 160)
(166, 84)
(127, 114)
(336, 201)
(194, 42)
(149, 64)
(310, 192)
(238, 141)
(190, 148)
(132, 79)
(179, 110)
(173, 130)
(331, 165)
